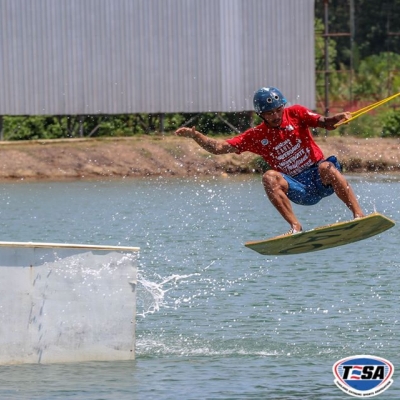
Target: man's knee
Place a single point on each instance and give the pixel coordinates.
(328, 168)
(273, 180)
(270, 177)
(328, 172)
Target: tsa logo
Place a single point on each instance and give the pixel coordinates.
(363, 376)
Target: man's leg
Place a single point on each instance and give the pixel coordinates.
(276, 188)
(331, 176)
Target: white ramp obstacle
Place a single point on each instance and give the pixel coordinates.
(66, 302)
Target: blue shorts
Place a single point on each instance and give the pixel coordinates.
(307, 188)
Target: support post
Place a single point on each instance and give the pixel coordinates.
(161, 119)
(326, 39)
(352, 34)
(81, 129)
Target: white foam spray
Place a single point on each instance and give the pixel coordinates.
(151, 295)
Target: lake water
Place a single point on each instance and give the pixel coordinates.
(217, 320)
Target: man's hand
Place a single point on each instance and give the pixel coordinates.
(341, 117)
(186, 132)
(213, 146)
(329, 123)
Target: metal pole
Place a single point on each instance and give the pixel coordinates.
(81, 129)
(352, 33)
(161, 118)
(326, 58)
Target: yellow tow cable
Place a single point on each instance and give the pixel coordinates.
(361, 111)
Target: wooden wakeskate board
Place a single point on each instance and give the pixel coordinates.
(324, 237)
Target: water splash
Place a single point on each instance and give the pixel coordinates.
(151, 296)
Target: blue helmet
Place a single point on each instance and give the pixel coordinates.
(267, 99)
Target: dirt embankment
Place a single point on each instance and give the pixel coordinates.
(167, 156)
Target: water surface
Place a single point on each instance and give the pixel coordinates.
(217, 320)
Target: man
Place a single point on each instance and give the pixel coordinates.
(299, 172)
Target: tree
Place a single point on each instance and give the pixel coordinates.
(377, 77)
(376, 27)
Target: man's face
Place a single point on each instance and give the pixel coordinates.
(273, 117)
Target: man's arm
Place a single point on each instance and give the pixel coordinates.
(213, 146)
(329, 123)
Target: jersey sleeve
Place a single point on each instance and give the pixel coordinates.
(237, 143)
(308, 117)
(246, 140)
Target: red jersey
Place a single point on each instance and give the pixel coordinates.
(289, 149)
